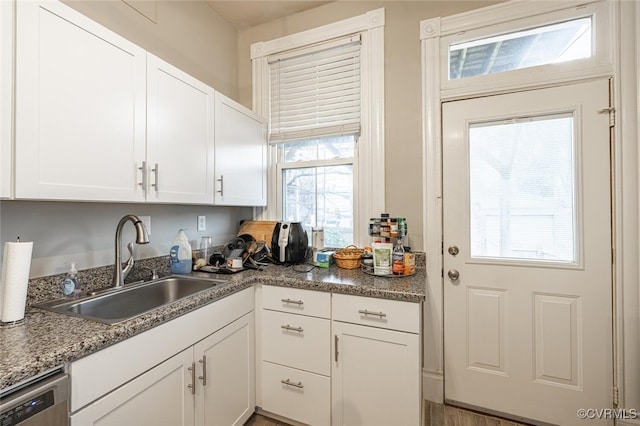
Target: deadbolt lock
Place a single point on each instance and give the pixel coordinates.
(453, 250)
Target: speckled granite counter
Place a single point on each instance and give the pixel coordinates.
(46, 340)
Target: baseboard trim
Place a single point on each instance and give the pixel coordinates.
(432, 386)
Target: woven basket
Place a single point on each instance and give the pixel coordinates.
(348, 257)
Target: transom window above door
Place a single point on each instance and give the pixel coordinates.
(549, 44)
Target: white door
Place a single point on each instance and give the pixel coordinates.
(159, 397)
(226, 371)
(241, 155)
(526, 204)
(80, 107)
(179, 135)
(375, 377)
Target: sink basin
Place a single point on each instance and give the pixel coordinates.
(133, 300)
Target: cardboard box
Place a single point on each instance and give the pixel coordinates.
(323, 259)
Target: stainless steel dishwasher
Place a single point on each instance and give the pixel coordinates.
(44, 401)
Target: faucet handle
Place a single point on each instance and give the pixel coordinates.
(131, 249)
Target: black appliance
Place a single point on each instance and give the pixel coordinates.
(289, 243)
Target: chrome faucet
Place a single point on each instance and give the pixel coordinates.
(120, 273)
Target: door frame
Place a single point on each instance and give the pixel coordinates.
(621, 66)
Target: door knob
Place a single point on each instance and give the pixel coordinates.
(453, 250)
(453, 274)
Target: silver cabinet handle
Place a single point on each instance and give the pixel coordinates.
(368, 312)
(221, 180)
(335, 344)
(288, 382)
(155, 171)
(192, 386)
(288, 327)
(295, 302)
(203, 361)
(143, 169)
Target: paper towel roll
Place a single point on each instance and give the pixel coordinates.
(14, 280)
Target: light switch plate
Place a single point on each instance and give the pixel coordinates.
(202, 223)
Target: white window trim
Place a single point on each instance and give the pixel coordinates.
(369, 183)
(615, 17)
(505, 18)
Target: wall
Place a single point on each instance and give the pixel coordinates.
(403, 107)
(190, 35)
(84, 233)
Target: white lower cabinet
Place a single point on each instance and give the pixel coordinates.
(211, 381)
(295, 330)
(156, 398)
(296, 394)
(335, 359)
(225, 371)
(376, 371)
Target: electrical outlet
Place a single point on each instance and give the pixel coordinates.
(146, 221)
(202, 223)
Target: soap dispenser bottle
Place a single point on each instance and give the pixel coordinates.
(71, 283)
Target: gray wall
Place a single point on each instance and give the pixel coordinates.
(84, 233)
(403, 105)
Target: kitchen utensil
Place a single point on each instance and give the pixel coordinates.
(234, 248)
(217, 259)
(261, 230)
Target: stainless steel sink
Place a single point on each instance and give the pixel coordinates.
(112, 307)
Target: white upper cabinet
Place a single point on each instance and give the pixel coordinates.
(179, 136)
(80, 108)
(241, 152)
(6, 96)
(97, 118)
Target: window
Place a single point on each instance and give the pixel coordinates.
(324, 96)
(317, 186)
(522, 189)
(549, 44)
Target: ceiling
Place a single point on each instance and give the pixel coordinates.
(245, 14)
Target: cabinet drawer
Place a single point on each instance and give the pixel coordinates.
(391, 314)
(305, 399)
(297, 341)
(297, 301)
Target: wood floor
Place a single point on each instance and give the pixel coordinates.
(435, 415)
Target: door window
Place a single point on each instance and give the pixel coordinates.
(522, 189)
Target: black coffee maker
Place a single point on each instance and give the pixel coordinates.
(289, 243)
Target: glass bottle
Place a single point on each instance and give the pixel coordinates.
(397, 258)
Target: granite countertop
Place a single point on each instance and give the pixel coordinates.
(47, 340)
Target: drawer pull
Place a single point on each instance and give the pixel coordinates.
(295, 302)
(288, 327)
(288, 382)
(368, 312)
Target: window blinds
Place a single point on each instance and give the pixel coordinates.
(315, 92)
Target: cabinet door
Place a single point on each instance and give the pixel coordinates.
(179, 136)
(226, 370)
(80, 107)
(375, 376)
(240, 155)
(159, 397)
(6, 97)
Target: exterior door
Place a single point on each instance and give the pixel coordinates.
(527, 253)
